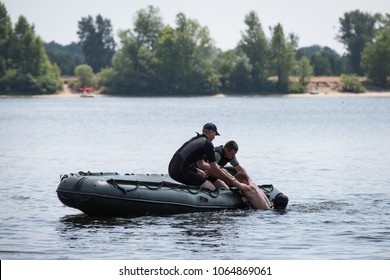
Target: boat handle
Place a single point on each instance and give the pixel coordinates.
(65, 197)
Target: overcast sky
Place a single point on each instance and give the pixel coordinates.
(314, 22)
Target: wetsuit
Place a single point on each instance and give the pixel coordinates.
(182, 165)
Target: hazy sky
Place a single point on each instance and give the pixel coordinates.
(315, 22)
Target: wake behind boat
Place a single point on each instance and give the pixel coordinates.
(112, 194)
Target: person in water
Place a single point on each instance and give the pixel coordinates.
(196, 152)
(252, 193)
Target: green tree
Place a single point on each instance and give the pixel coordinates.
(147, 29)
(29, 69)
(376, 58)
(240, 77)
(305, 71)
(131, 68)
(321, 64)
(85, 75)
(194, 54)
(65, 57)
(351, 83)
(256, 47)
(324, 60)
(167, 65)
(97, 41)
(282, 58)
(6, 33)
(26, 48)
(384, 21)
(134, 63)
(105, 77)
(148, 26)
(235, 71)
(160, 59)
(356, 30)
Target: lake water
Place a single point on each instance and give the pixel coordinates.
(330, 155)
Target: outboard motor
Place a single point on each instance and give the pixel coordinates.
(279, 200)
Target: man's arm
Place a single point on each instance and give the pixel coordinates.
(217, 172)
(239, 168)
(203, 165)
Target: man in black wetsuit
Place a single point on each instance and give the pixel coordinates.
(196, 150)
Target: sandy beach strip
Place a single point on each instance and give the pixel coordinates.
(321, 92)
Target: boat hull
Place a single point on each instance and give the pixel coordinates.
(111, 194)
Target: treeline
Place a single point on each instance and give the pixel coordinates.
(24, 65)
(65, 57)
(153, 58)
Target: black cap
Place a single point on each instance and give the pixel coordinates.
(211, 126)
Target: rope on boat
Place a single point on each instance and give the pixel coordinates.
(62, 177)
(185, 187)
(173, 186)
(115, 185)
(137, 184)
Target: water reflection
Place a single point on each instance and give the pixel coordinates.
(206, 225)
(189, 233)
(85, 221)
(72, 227)
(194, 234)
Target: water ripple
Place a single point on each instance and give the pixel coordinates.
(320, 152)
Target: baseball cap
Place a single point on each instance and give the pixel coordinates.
(211, 126)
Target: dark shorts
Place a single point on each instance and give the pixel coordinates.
(182, 172)
(212, 179)
(248, 205)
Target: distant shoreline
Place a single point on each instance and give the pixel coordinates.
(343, 94)
(65, 94)
(318, 87)
(291, 95)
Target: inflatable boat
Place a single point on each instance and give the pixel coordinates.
(115, 195)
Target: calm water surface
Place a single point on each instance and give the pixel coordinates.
(330, 155)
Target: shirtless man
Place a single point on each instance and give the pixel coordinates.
(252, 193)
